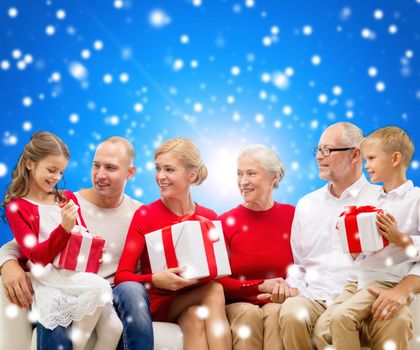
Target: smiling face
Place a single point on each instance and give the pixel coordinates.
(338, 165)
(45, 174)
(111, 168)
(379, 164)
(254, 182)
(173, 179)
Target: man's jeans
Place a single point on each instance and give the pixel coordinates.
(132, 305)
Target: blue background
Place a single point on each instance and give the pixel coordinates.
(245, 73)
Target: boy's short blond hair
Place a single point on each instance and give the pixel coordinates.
(392, 139)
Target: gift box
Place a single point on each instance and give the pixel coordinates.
(196, 244)
(82, 251)
(358, 230)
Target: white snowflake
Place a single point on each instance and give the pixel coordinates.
(378, 14)
(107, 78)
(244, 332)
(198, 107)
(13, 12)
(5, 64)
(316, 60)
(380, 86)
(78, 70)
(178, 65)
(74, 118)
(124, 78)
(138, 107)
(61, 14)
(185, 39)
(27, 126)
(392, 29)
(85, 54)
(12, 311)
(307, 30)
(287, 110)
(50, 30)
(27, 101)
(158, 18)
(235, 70)
(98, 45)
(259, 118)
(3, 169)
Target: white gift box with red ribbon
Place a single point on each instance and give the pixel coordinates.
(358, 230)
(82, 251)
(196, 246)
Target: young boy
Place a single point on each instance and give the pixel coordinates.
(388, 152)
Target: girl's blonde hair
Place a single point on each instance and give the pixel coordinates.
(187, 153)
(41, 145)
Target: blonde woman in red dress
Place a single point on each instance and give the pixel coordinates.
(199, 310)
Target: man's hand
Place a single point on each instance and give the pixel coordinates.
(16, 283)
(388, 302)
(268, 285)
(280, 293)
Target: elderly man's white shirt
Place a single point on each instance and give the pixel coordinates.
(321, 269)
(393, 263)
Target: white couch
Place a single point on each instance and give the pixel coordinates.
(16, 331)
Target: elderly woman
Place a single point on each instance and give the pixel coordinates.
(257, 234)
(178, 167)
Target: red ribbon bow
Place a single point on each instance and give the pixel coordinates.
(206, 226)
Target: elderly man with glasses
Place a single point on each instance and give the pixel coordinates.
(321, 269)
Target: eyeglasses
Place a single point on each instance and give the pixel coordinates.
(326, 151)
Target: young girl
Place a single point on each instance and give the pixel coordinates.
(41, 219)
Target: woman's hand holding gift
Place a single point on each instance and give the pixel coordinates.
(168, 279)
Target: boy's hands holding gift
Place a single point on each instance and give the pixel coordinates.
(168, 279)
(387, 226)
(69, 215)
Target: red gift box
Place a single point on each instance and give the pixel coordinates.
(358, 230)
(82, 252)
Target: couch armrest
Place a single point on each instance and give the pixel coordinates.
(15, 329)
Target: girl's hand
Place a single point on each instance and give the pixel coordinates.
(69, 215)
(387, 226)
(168, 279)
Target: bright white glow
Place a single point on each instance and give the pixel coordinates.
(380, 86)
(61, 14)
(235, 70)
(74, 118)
(78, 70)
(202, 312)
(12, 311)
(316, 60)
(50, 30)
(27, 101)
(98, 45)
(307, 30)
(138, 107)
(3, 169)
(244, 332)
(158, 18)
(372, 72)
(13, 12)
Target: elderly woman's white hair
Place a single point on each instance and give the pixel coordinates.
(268, 159)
